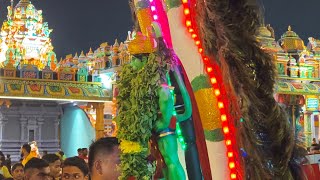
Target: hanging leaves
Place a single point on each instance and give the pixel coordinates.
(138, 110)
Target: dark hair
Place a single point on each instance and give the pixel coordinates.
(77, 162)
(15, 166)
(36, 163)
(1, 153)
(27, 147)
(3, 159)
(103, 145)
(50, 158)
(79, 150)
(84, 149)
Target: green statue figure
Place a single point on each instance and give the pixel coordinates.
(146, 103)
(165, 124)
(165, 128)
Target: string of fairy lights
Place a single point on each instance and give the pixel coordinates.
(216, 82)
(214, 74)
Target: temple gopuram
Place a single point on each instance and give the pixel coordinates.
(40, 98)
(25, 38)
(298, 83)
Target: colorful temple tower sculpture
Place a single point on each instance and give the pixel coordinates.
(298, 74)
(104, 59)
(25, 38)
(266, 37)
(33, 87)
(301, 65)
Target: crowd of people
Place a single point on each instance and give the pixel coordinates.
(98, 163)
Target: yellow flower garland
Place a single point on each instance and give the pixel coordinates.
(130, 147)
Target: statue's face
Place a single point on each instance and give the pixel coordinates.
(138, 63)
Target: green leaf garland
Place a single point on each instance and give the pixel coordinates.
(138, 110)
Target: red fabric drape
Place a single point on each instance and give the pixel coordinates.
(311, 172)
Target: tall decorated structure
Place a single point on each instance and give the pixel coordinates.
(25, 38)
(40, 100)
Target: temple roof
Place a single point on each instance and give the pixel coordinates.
(23, 3)
(290, 41)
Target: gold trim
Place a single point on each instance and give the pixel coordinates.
(165, 134)
(56, 98)
(50, 80)
(299, 79)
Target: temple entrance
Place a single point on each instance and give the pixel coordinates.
(24, 121)
(53, 125)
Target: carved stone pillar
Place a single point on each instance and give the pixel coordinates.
(313, 129)
(3, 122)
(56, 129)
(307, 128)
(40, 122)
(99, 120)
(23, 125)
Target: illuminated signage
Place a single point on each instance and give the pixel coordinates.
(312, 104)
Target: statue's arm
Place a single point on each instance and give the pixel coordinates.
(185, 96)
(166, 108)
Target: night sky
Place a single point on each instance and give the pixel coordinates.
(80, 24)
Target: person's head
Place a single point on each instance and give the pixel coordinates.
(75, 168)
(314, 141)
(79, 152)
(54, 164)
(25, 149)
(85, 151)
(37, 169)
(2, 160)
(1, 154)
(44, 153)
(17, 171)
(104, 158)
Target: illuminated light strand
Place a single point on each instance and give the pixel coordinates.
(230, 154)
(178, 129)
(180, 137)
(218, 90)
(213, 80)
(232, 165)
(220, 105)
(186, 11)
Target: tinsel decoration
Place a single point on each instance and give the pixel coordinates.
(208, 108)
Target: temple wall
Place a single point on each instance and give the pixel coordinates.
(25, 121)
